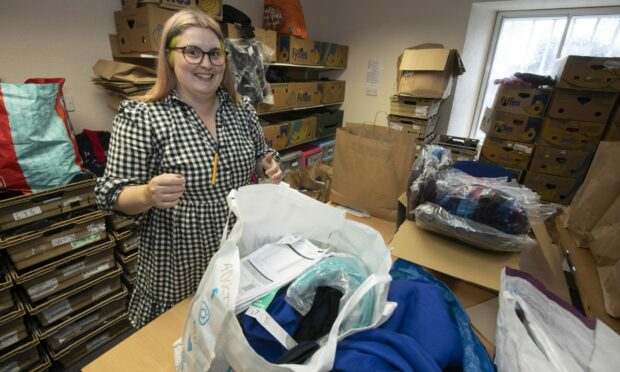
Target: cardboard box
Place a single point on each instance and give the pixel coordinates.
(307, 94)
(551, 188)
(302, 130)
(333, 55)
(328, 122)
(561, 162)
(521, 100)
(284, 98)
(612, 133)
(276, 135)
(269, 40)
(592, 73)
(427, 71)
(140, 29)
(424, 127)
(419, 108)
(298, 51)
(508, 154)
(510, 126)
(581, 105)
(332, 91)
(571, 134)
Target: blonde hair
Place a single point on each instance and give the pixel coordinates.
(175, 26)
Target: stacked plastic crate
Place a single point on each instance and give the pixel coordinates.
(61, 261)
(125, 233)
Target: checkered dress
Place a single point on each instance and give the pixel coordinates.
(168, 136)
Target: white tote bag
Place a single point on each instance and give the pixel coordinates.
(212, 337)
(537, 331)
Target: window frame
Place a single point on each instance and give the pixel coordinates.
(569, 13)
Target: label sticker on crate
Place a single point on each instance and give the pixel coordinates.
(26, 213)
(72, 269)
(97, 341)
(42, 288)
(72, 200)
(102, 292)
(85, 240)
(63, 240)
(8, 339)
(57, 311)
(90, 271)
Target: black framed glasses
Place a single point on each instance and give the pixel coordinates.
(195, 55)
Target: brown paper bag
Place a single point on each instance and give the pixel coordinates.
(314, 181)
(610, 281)
(371, 168)
(598, 191)
(605, 236)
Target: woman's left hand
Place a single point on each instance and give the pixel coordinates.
(272, 169)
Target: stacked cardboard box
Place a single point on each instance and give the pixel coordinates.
(512, 126)
(425, 76)
(576, 119)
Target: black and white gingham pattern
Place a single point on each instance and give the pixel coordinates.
(168, 136)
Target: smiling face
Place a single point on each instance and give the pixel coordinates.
(197, 83)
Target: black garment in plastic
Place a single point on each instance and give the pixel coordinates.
(247, 67)
(233, 15)
(319, 320)
(538, 80)
(93, 147)
(299, 353)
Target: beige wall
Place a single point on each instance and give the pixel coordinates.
(65, 38)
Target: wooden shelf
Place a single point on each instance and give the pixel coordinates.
(299, 108)
(586, 277)
(309, 67)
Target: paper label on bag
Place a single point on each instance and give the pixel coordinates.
(271, 326)
(8, 339)
(43, 287)
(26, 213)
(72, 200)
(63, 240)
(57, 311)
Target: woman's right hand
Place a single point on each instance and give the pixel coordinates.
(165, 190)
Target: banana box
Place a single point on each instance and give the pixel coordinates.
(420, 108)
(561, 162)
(284, 98)
(592, 73)
(582, 105)
(298, 51)
(302, 130)
(332, 91)
(508, 154)
(552, 188)
(276, 135)
(521, 100)
(571, 134)
(510, 125)
(307, 94)
(333, 55)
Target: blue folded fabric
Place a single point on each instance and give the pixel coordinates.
(419, 336)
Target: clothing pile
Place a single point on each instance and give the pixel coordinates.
(489, 213)
(428, 331)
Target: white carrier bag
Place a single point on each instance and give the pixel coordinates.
(537, 331)
(212, 336)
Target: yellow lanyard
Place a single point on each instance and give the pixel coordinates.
(214, 168)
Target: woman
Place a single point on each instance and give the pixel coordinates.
(174, 156)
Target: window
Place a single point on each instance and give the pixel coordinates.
(532, 41)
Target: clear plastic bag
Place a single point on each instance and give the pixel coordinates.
(423, 174)
(433, 217)
(341, 271)
(247, 65)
